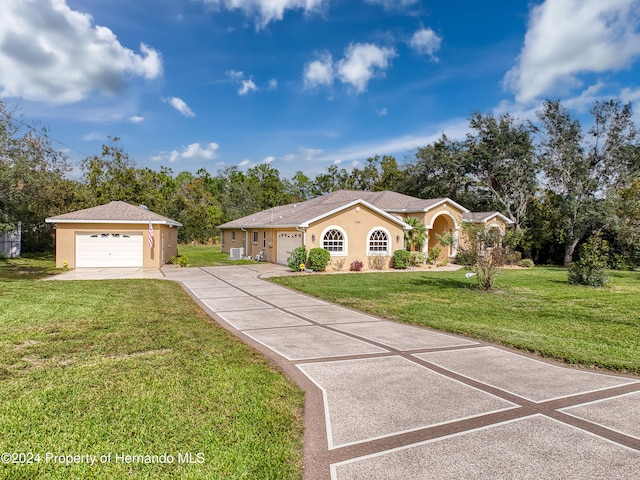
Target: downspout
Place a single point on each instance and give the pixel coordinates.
(246, 241)
(304, 235)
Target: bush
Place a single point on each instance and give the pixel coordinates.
(377, 262)
(356, 266)
(526, 263)
(417, 259)
(180, 260)
(401, 259)
(466, 258)
(318, 259)
(337, 264)
(590, 268)
(434, 253)
(296, 258)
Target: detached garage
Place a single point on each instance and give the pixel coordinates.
(117, 234)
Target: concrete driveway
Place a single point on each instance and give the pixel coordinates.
(392, 401)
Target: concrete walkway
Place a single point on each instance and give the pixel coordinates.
(392, 401)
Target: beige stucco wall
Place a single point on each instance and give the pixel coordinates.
(357, 222)
(445, 218)
(165, 243)
(496, 222)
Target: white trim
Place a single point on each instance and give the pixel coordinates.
(389, 249)
(345, 251)
(377, 210)
(490, 216)
(448, 214)
(119, 222)
(445, 200)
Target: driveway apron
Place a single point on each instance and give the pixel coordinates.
(391, 401)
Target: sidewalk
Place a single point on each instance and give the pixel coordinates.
(391, 401)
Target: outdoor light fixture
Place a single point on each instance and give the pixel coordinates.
(313, 237)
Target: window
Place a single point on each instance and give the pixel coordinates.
(255, 237)
(222, 237)
(333, 241)
(264, 239)
(233, 235)
(378, 242)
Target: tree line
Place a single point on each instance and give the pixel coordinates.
(560, 182)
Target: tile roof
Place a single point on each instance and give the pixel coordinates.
(113, 212)
(293, 215)
(484, 217)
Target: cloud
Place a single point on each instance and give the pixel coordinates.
(194, 151)
(273, 84)
(267, 11)
(361, 63)
(319, 73)
(426, 42)
(136, 119)
(381, 112)
(393, 4)
(247, 87)
(566, 38)
(244, 162)
(269, 159)
(180, 106)
(51, 53)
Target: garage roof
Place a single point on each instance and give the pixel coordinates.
(114, 212)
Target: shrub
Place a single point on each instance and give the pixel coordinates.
(356, 266)
(434, 253)
(526, 263)
(443, 263)
(417, 259)
(401, 259)
(466, 258)
(337, 264)
(318, 259)
(377, 262)
(589, 269)
(296, 258)
(180, 260)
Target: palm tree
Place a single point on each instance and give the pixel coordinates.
(415, 237)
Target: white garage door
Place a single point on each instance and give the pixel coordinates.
(287, 241)
(109, 249)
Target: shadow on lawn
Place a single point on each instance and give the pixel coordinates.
(443, 282)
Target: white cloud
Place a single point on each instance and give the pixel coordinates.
(319, 72)
(51, 53)
(194, 151)
(244, 162)
(180, 106)
(426, 42)
(381, 112)
(363, 61)
(267, 11)
(393, 4)
(247, 87)
(568, 37)
(273, 84)
(136, 119)
(269, 159)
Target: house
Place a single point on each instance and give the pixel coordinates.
(116, 234)
(351, 225)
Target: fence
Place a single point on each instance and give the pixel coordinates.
(11, 242)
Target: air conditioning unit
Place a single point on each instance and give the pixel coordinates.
(236, 253)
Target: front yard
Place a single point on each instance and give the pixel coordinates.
(534, 310)
(134, 367)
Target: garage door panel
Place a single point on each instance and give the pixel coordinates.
(109, 249)
(287, 241)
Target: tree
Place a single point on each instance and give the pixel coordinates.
(583, 174)
(32, 180)
(503, 162)
(441, 170)
(415, 237)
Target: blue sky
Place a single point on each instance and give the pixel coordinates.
(302, 84)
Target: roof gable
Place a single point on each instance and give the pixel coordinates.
(113, 212)
(484, 217)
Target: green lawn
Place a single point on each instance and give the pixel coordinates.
(207, 256)
(534, 310)
(134, 367)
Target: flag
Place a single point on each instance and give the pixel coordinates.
(150, 235)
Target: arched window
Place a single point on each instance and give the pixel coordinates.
(333, 241)
(378, 242)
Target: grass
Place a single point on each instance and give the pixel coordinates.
(103, 367)
(30, 266)
(534, 310)
(207, 256)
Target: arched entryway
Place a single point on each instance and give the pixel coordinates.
(442, 225)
